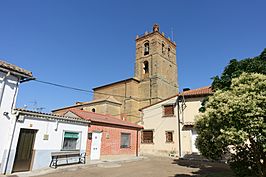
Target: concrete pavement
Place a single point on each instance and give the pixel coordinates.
(151, 166)
(110, 162)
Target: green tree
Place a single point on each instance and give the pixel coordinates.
(234, 123)
(235, 68)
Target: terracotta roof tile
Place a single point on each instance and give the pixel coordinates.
(198, 92)
(102, 118)
(15, 68)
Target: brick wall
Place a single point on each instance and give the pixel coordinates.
(111, 138)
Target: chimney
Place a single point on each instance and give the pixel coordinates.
(186, 89)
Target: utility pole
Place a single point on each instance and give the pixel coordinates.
(179, 130)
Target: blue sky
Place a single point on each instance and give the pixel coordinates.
(86, 44)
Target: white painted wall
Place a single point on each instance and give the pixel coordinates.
(8, 94)
(153, 120)
(188, 134)
(192, 108)
(43, 148)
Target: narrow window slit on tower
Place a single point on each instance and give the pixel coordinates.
(146, 69)
(146, 48)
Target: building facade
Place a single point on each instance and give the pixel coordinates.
(108, 136)
(10, 78)
(155, 79)
(36, 135)
(28, 138)
(169, 124)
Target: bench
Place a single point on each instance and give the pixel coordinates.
(67, 155)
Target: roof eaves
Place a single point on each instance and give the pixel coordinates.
(117, 124)
(51, 116)
(117, 82)
(15, 70)
(124, 124)
(158, 102)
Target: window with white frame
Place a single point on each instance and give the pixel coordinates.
(71, 140)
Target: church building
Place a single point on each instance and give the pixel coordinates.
(155, 79)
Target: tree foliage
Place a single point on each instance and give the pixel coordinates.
(235, 68)
(235, 123)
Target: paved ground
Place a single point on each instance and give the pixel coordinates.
(144, 167)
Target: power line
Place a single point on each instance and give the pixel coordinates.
(108, 94)
(83, 90)
(63, 86)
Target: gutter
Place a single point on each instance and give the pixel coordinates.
(50, 116)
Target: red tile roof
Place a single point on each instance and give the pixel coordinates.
(102, 118)
(198, 92)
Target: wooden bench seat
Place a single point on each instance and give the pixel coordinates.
(67, 155)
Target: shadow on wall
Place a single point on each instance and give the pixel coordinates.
(206, 169)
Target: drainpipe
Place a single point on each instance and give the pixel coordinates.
(137, 144)
(179, 130)
(3, 87)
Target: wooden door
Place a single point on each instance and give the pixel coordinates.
(24, 150)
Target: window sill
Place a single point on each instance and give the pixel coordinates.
(70, 150)
(125, 147)
(170, 142)
(146, 143)
(172, 115)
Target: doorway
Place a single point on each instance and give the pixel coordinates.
(24, 150)
(96, 145)
(194, 136)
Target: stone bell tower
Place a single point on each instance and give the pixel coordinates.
(155, 67)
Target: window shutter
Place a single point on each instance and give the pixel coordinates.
(168, 110)
(147, 136)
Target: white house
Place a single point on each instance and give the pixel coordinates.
(10, 78)
(27, 137)
(37, 134)
(169, 124)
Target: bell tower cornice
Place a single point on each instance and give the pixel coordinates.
(155, 31)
